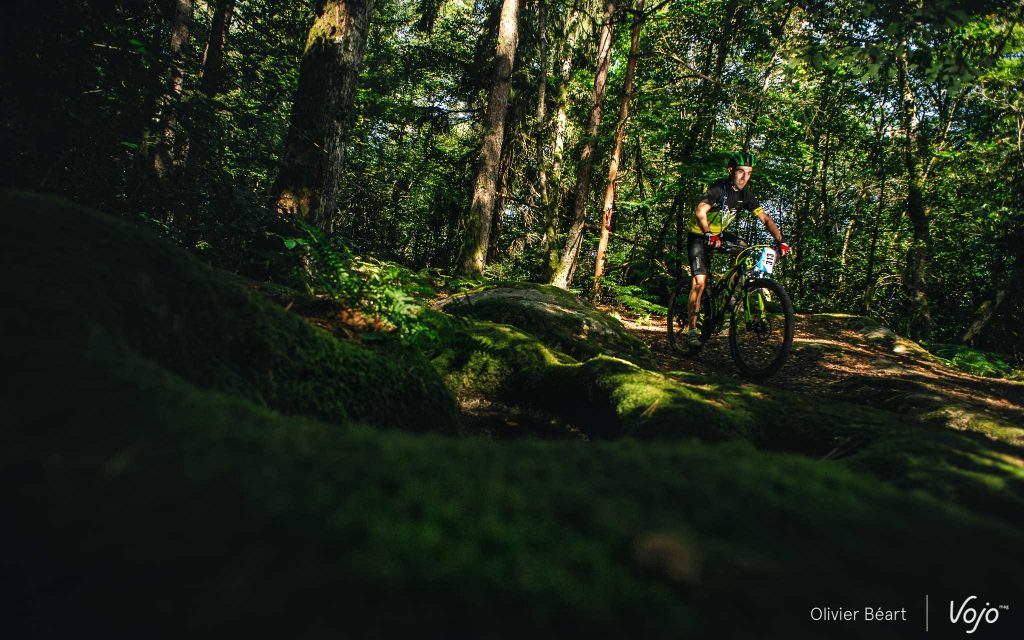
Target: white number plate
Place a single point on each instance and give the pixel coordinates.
(766, 261)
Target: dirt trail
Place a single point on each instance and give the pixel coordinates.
(832, 356)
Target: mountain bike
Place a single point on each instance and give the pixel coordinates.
(758, 311)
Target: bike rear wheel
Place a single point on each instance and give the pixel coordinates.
(761, 328)
(679, 318)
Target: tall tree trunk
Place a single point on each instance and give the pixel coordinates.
(193, 151)
(566, 266)
(168, 118)
(553, 204)
(1012, 285)
(213, 56)
(878, 161)
(504, 166)
(918, 315)
(708, 117)
(539, 194)
(307, 184)
(847, 233)
(620, 133)
(478, 223)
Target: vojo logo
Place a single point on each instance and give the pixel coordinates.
(971, 616)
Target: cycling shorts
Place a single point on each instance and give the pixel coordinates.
(700, 256)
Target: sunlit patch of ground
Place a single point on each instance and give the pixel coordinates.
(826, 352)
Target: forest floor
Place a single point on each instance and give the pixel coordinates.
(830, 351)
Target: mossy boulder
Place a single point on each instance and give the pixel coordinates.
(140, 504)
(557, 317)
(157, 479)
(605, 397)
(873, 332)
(76, 275)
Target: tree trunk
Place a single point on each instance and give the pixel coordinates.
(213, 57)
(193, 150)
(845, 253)
(504, 167)
(918, 315)
(574, 239)
(478, 223)
(541, 125)
(708, 117)
(168, 118)
(307, 184)
(620, 133)
(984, 315)
(878, 161)
(553, 203)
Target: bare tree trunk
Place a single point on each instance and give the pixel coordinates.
(620, 133)
(213, 56)
(168, 118)
(879, 163)
(478, 223)
(307, 184)
(984, 315)
(504, 166)
(553, 203)
(539, 189)
(542, 94)
(843, 256)
(918, 315)
(193, 151)
(574, 240)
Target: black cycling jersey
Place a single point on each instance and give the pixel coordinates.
(720, 218)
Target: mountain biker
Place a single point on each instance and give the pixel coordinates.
(716, 210)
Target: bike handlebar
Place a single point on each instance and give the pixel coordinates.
(727, 245)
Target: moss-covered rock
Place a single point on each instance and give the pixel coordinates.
(873, 332)
(139, 504)
(150, 490)
(610, 398)
(78, 275)
(558, 318)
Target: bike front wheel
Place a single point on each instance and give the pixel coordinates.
(761, 328)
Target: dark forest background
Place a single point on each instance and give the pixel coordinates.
(888, 136)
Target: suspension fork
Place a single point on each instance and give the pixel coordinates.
(760, 305)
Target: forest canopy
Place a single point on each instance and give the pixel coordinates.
(497, 138)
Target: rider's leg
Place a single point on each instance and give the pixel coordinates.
(696, 291)
(700, 266)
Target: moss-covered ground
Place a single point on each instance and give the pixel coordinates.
(180, 456)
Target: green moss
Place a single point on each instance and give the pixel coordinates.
(146, 479)
(144, 497)
(558, 318)
(75, 274)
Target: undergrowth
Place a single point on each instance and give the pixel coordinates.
(975, 362)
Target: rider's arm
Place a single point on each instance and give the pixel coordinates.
(702, 216)
(767, 221)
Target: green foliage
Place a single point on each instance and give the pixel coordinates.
(633, 298)
(975, 362)
(82, 275)
(808, 87)
(382, 290)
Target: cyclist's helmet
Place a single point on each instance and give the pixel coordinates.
(741, 159)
